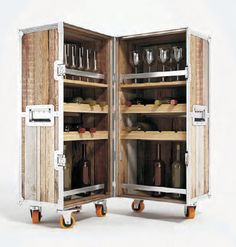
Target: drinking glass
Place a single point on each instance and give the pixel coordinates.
(163, 56)
(149, 58)
(178, 55)
(135, 61)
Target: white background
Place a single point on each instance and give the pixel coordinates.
(160, 224)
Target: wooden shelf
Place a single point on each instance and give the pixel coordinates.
(154, 135)
(162, 109)
(78, 83)
(84, 108)
(87, 136)
(153, 84)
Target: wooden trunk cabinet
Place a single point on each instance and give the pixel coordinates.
(80, 88)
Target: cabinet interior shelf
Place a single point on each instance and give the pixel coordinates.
(84, 190)
(85, 108)
(79, 83)
(154, 188)
(159, 199)
(151, 108)
(74, 202)
(76, 136)
(153, 85)
(154, 135)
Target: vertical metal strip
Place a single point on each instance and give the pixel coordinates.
(209, 111)
(114, 117)
(188, 120)
(19, 117)
(61, 116)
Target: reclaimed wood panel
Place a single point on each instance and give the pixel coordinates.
(68, 165)
(39, 178)
(39, 51)
(199, 135)
(30, 178)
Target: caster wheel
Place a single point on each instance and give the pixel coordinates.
(100, 210)
(35, 216)
(190, 212)
(67, 226)
(140, 207)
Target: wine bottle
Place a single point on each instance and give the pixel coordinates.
(177, 177)
(142, 126)
(92, 130)
(159, 102)
(102, 104)
(90, 101)
(78, 100)
(67, 127)
(81, 172)
(135, 101)
(158, 171)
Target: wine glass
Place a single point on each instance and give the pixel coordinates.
(178, 55)
(80, 59)
(95, 61)
(66, 54)
(88, 61)
(74, 56)
(149, 58)
(135, 61)
(163, 56)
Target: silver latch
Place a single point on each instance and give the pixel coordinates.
(199, 115)
(59, 69)
(59, 159)
(188, 72)
(39, 115)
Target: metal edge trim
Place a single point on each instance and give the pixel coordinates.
(39, 28)
(188, 113)
(154, 188)
(161, 32)
(61, 116)
(84, 189)
(154, 74)
(19, 116)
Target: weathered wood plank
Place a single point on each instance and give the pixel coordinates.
(49, 175)
(30, 163)
(199, 134)
(39, 51)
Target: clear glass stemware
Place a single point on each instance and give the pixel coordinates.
(149, 58)
(163, 56)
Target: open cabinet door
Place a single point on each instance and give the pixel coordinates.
(40, 107)
(197, 117)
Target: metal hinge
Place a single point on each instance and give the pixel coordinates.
(59, 159)
(188, 72)
(186, 159)
(59, 69)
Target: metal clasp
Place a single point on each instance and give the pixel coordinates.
(59, 159)
(199, 115)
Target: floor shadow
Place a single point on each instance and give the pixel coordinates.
(150, 215)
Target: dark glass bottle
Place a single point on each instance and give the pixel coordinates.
(158, 171)
(177, 178)
(81, 172)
